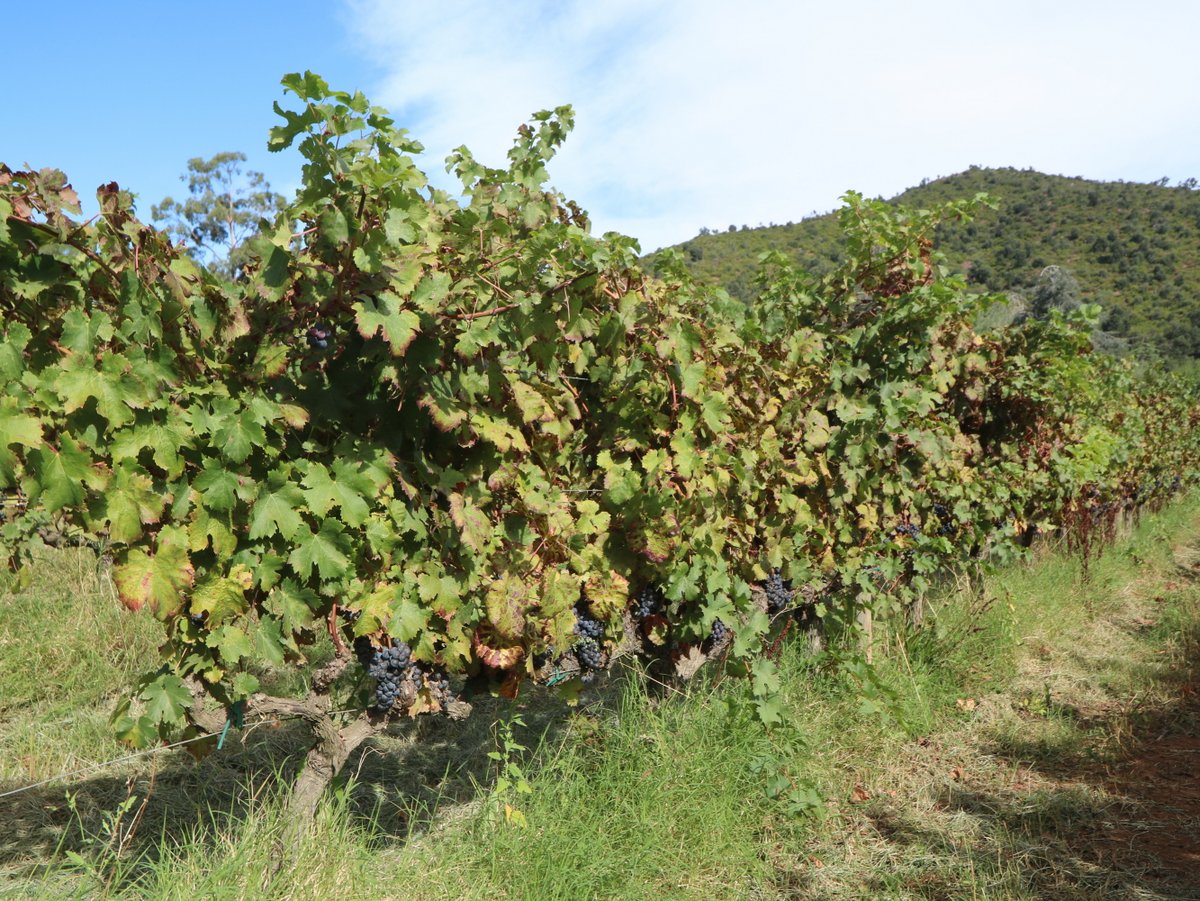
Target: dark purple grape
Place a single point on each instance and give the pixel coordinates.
(779, 592)
(717, 636)
(388, 665)
(318, 336)
(648, 602)
(586, 626)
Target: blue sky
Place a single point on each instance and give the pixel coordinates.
(690, 112)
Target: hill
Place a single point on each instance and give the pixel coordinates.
(1134, 248)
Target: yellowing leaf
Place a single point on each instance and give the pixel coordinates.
(158, 579)
(506, 602)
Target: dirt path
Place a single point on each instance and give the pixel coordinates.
(1079, 779)
(1160, 781)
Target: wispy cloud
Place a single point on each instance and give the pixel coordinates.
(699, 112)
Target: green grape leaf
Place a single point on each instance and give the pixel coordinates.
(15, 428)
(245, 684)
(326, 550)
(217, 486)
(384, 316)
(293, 606)
(408, 619)
(165, 440)
(323, 493)
(130, 502)
(269, 642)
(63, 475)
(239, 435)
(231, 642)
(277, 511)
(167, 700)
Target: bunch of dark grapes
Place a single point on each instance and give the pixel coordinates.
(437, 681)
(587, 626)
(908, 529)
(717, 637)
(779, 592)
(198, 619)
(318, 336)
(648, 602)
(948, 528)
(388, 666)
(587, 652)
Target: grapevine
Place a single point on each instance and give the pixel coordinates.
(504, 443)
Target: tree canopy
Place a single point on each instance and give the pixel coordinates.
(224, 208)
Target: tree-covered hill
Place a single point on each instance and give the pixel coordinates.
(1133, 248)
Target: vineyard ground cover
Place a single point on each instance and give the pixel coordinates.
(1035, 737)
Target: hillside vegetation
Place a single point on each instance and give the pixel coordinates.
(1133, 248)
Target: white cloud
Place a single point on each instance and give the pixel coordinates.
(698, 112)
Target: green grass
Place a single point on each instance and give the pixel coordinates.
(985, 778)
(67, 649)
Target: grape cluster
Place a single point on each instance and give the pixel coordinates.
(586, 625)
(908, 529)
(318, 336)
(587, 650)
(718, 636)
(388, 666)
(779, 592)
(648, 602)
(948, 528)
(197, 619)
(588, 653)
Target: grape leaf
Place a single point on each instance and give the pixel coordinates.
(384, 316)
(276, 511)
(130, 502)
(63, 474)
(157, 579)
(217, 487)
(221, 598)
(326, 550)
(293, 606)
(15, 428)
(231, 642)
(167, 700)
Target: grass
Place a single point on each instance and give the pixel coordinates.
(1017, 760)
(67, 650)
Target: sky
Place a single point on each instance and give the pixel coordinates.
(689, 113)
